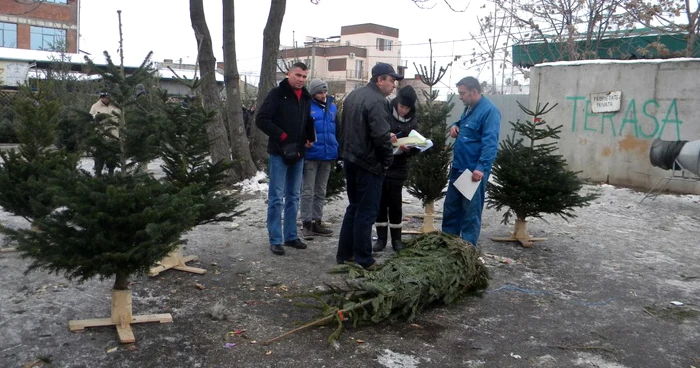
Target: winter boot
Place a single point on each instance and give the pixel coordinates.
(396, 242)
(317, 228)
(381, 238)
(307, 230)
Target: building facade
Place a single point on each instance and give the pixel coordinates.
(45, 25)
(346, 61)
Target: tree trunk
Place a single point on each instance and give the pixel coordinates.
(220, 149)
(243, 162)
(121, 282)
(268, 71)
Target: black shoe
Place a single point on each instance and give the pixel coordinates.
(306, 230)
(296, 244)
(277, 249)
(396, 242)
(317, 228)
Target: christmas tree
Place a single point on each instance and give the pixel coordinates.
(336, 180)
(428, 174)
(434, 268)
(531, 180)
(25, 174)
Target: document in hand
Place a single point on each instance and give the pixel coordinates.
(465, 185)
(414, 139)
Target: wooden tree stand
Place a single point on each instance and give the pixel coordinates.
(122, 318)
(176, 261)
(428, 221)
(520, 235)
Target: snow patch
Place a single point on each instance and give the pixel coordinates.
(391, 359)
(253, 184)
(588, 360)
(609, 61)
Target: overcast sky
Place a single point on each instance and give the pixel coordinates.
(163, 26)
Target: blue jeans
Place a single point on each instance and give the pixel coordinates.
(364, 191)
(461, 216)
(285, 182)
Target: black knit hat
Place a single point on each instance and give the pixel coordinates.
(407, 97)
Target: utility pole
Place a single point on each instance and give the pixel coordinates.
(313, 56)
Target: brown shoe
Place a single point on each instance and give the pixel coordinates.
(307, 232)
(373, 267)
(317, 228)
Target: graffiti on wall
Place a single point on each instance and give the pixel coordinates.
(645, 120)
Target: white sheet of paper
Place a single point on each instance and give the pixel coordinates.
(465, 185)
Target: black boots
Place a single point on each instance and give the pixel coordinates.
(396, 242)
(382, 233)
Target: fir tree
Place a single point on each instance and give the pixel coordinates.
(531, 179)
(428, 173)
(25, 174)
(185, 153)
(336, 181)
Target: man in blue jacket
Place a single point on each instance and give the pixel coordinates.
(475, 148)
(318, 162)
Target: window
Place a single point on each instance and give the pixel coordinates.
(8, 35)
(337, 65)
(42, 38)
(383, 44)
(359, 69)
(56, 1)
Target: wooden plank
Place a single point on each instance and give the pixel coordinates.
(8, 250)
(412, 232)
(189, 259)
(422, 215)
(199, 271)
(144, 318)
(156, 270)
(81, 324)
(126, 335)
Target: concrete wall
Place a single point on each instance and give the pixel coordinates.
(660, 99)
(507, 104)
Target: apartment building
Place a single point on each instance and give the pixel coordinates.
(39, 25)
(346, 61)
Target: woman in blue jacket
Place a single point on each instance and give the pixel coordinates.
(318, 162)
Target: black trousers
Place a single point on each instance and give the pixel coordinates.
(390, 203)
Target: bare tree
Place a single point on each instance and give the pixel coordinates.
(268, 69)
(243, 163)
(220, 149)
(561, 24)
(424, 4)
(669, 16)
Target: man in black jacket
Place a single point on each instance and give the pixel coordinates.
(285, 117)
(367, 152)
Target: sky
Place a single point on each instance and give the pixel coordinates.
(163, 26)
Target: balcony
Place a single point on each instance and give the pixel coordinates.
(355, 74)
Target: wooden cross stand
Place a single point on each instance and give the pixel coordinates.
(8, 250)
(520, 235)
(176, 261)
(428, 221)
(121, 317)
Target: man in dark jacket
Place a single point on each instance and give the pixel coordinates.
(403, 121)
(367, 152)
(286, 119)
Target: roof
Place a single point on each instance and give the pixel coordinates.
(8, 53)
(184, 73)
(636, 45)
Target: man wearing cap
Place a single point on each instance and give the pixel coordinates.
(285, 118)
(366, 149)
(106, 153)
(318, 162)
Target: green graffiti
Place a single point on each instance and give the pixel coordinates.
(630, 117)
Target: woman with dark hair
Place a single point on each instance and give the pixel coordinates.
(404, 119)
